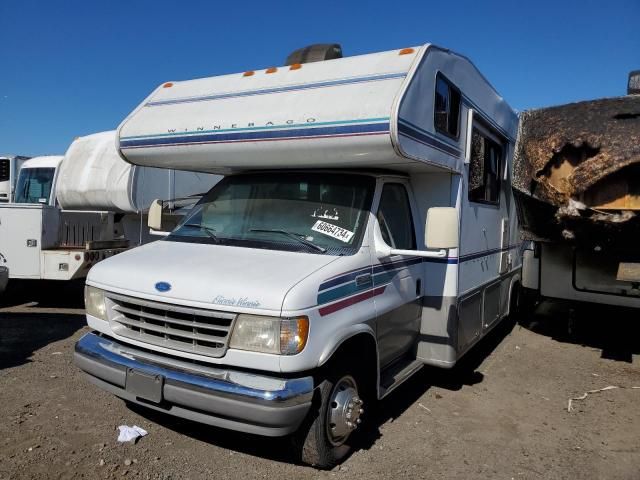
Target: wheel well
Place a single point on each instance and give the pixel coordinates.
(516, 284)
(361, 353)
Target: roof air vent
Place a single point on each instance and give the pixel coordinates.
(315, 53)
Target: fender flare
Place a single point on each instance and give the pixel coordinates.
(344, 335)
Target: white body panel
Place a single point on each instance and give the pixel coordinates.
(44, 242)
(94, 177)
(22, 223)
(359, 111)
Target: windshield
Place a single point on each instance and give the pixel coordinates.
(34, 185)
(307, 211)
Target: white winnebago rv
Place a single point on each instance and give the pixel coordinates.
(365, 228)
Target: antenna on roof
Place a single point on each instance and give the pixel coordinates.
(318, 52)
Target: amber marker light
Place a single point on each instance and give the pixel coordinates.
(167, 85)
(406, 51)
(248, 73)
(294, 333)
(295, 66)
(271, 70)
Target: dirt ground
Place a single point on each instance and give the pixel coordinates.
(500, 414)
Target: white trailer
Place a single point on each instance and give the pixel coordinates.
(71, 212)
(366, 228)
(9, 168)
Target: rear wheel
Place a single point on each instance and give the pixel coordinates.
(325, 438)
(523, 303)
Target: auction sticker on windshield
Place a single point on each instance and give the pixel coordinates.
(334, 231)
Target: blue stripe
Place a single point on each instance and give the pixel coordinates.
(265, 127)
(397, 264)
(267, 91)
(426, 138)
(473, 256)
(447, 260)
(377, 270)
(382, 275)
(434, 136)
(340, 292)
(349, 276)
(256, 135)
(344, 278)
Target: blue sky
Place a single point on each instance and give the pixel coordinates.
(71, 68)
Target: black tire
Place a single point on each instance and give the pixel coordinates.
(313, 442)
(523, 303)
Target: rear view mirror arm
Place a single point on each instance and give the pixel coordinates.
(420, 253)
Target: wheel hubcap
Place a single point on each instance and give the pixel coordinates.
(345, 409)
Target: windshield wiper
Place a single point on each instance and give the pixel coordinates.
(208, 230)
(296, 236)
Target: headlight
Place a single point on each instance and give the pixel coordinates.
(94, 302)
(286, 336)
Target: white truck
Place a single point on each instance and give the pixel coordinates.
(9, 167)
(71, 212)
(365, 228)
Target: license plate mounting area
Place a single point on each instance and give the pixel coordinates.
(146, 386)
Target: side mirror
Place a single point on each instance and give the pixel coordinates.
(383, 250)
(154, 221)
(442, 228)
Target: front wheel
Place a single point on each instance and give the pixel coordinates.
(324, 440)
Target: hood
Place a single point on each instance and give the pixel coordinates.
(231, 278)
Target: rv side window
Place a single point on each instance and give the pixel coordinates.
(394, 217)
(484, 168)
(446, 107)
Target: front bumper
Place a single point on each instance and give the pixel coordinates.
(224, 398)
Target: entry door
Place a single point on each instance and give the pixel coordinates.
(487, 228)
(399, 279)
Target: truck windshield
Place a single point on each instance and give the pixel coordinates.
(34, 185)
(321, 213)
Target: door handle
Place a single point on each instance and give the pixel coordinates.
(363, 279)
(418, 287)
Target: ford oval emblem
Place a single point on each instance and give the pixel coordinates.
(163, 286)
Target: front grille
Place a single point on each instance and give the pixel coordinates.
(194, 330)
